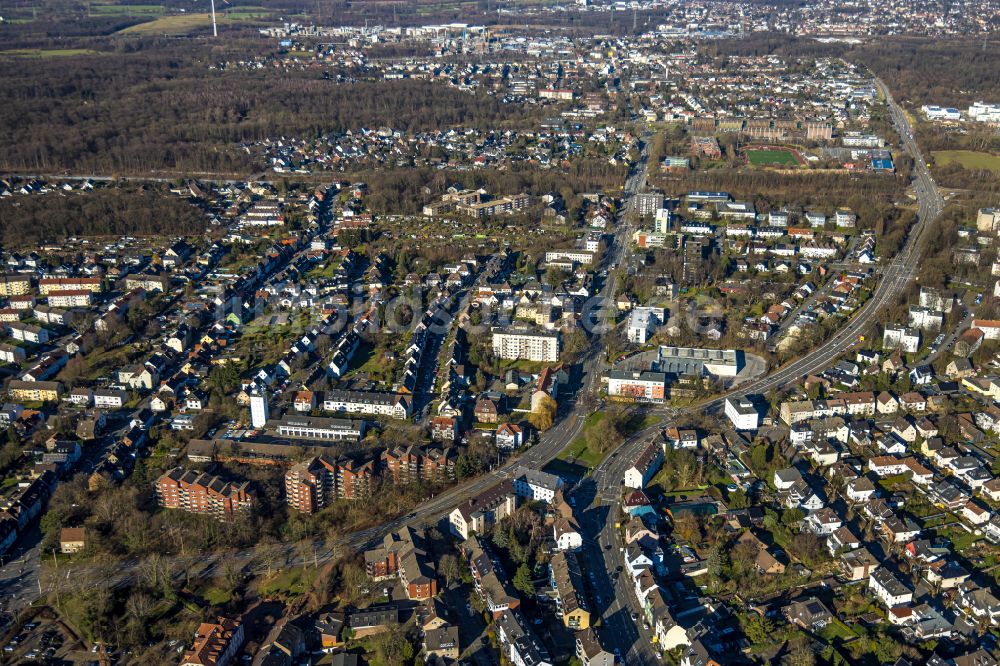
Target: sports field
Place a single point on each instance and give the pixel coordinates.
(768, 156)
(968, 159)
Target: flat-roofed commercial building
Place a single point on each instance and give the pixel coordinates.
(697, 361)
(637, 386)
(315, 427)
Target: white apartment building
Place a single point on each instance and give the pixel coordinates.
(576, 256)
(742, 413)
(903, 338)
(662, 220)
(28, 333)
(637, 386)
(888, 589)
(110, 399)
(934, 112)
(925, 318)
(518, 344)
(988, 219)
(645, 467)
(984, 113)
(367, 402)
(536, 485)
(305, 427)
(642, 322)
(259, 412)
(76, 298)
(647, 203)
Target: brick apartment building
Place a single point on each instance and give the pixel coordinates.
(215, 644)
(203, 493)
(402, 554)
(316, 483)
(407, 464)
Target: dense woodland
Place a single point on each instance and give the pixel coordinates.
(403, 190)
(919, 70)
(168, 111)
(31, 220)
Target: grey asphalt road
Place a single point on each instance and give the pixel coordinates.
(633, 642)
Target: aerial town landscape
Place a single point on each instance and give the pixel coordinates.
(489, 333)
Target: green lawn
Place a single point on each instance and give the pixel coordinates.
(179, 24)
(968, 159)
(47, 53)
(579, 453)
(216, 596)
(324, 270)
(292, 582)
(960, 539)
(836, 629)
(765, 157)
(127, 10)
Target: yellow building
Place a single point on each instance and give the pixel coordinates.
(34, 391)
(47, 285)
(567, 581)
(14, 285)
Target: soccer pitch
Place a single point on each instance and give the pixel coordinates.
(767, 156)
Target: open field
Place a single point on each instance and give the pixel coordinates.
(968, 159)
(125, 10)
(46, 53)
(767, 156)
(179, 24)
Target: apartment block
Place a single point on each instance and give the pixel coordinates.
(71, 298)
(203, 493)
(480, 513)
(637, 386)
(519, 343)
(566, 580)
(318, 428)
(14, 285)
(314, 484)
(403, 554)
(367, 402)
(48, 285)
(215, 644)
(409, 464)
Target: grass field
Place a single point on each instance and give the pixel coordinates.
(577, 451)
(968, 159)
(767, 156)
(126, 10)
(46, 53)
(179, 24)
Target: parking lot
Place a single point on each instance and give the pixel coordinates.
(41, 640)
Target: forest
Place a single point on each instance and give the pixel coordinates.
(34, 219)
(918, 70)
(168, 111)
(402, 191)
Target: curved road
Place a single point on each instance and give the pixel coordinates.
(619, 631)
(624, 634)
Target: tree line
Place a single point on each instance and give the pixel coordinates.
(34, 219)
(166, 110)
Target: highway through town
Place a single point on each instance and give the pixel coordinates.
(620, 633)
(430, 512)
(618, 601)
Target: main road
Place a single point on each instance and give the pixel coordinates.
(895, 276)
(619, 631)
(550, 444)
